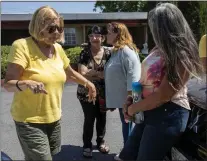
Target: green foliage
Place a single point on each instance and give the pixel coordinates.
(195, 12)
(203, 17)
(4, 59)
(126, 6)
(190, 10)
(73, 54)
(142, 56)
(119, 6)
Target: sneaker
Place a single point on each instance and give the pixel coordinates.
(116, 157)
(87, 152)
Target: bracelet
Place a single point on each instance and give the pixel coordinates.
(85, 85)
(18, 86)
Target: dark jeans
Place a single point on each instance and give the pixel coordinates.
(125, 126)
(156, 136)
(92, 112)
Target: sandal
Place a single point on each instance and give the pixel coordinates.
(103, 148)
(87, 152)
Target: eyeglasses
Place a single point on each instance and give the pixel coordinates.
(52, 28)
(94, 35)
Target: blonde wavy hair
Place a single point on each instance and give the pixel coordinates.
(39, 22)
(123, 38)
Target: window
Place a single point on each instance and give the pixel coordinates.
(70, 38)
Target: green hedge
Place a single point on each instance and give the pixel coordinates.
(142, 56)
(72, 54)
(4, 57)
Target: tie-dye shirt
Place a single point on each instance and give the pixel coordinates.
(153, 71)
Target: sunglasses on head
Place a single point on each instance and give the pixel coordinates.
(52, 28)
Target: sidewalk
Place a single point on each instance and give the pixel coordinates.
(72, 123)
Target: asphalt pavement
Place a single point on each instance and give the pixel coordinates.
(72, 127)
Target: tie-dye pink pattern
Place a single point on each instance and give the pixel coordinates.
(153, 71)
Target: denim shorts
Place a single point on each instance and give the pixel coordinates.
(39, 141)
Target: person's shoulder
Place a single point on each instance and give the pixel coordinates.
(59, 49)
(128, 51)
(85, 51)
(21, 42)
(203, 38)
(107, 48)
(155, 52)
(126, 48)
(58, 46)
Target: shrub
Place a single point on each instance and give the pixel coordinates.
(142, 56)
(4, 59)
(73, 54)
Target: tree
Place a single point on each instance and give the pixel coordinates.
(126, 6)
(195, 12)
(120, 6)
(203, 17)
(190, 10)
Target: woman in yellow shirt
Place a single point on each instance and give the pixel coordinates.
(202, 51)
(37, 71)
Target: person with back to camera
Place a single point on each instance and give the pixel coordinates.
(165, 73)
(122, 69)
(91, 65)
(36, 73)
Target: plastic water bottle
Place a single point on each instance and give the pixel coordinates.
(136, 95)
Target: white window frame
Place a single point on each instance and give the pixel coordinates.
(70, 36)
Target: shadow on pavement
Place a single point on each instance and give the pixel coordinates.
(72, 152)
(5, 157)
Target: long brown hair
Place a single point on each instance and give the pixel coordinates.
(123, 37)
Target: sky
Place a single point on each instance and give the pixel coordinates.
(61, 7)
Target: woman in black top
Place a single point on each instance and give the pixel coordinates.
(91, 65)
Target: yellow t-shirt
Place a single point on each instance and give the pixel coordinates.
(202, 47)
(38, 108)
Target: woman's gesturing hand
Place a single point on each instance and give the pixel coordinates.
(91, 92)
(36, 87)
